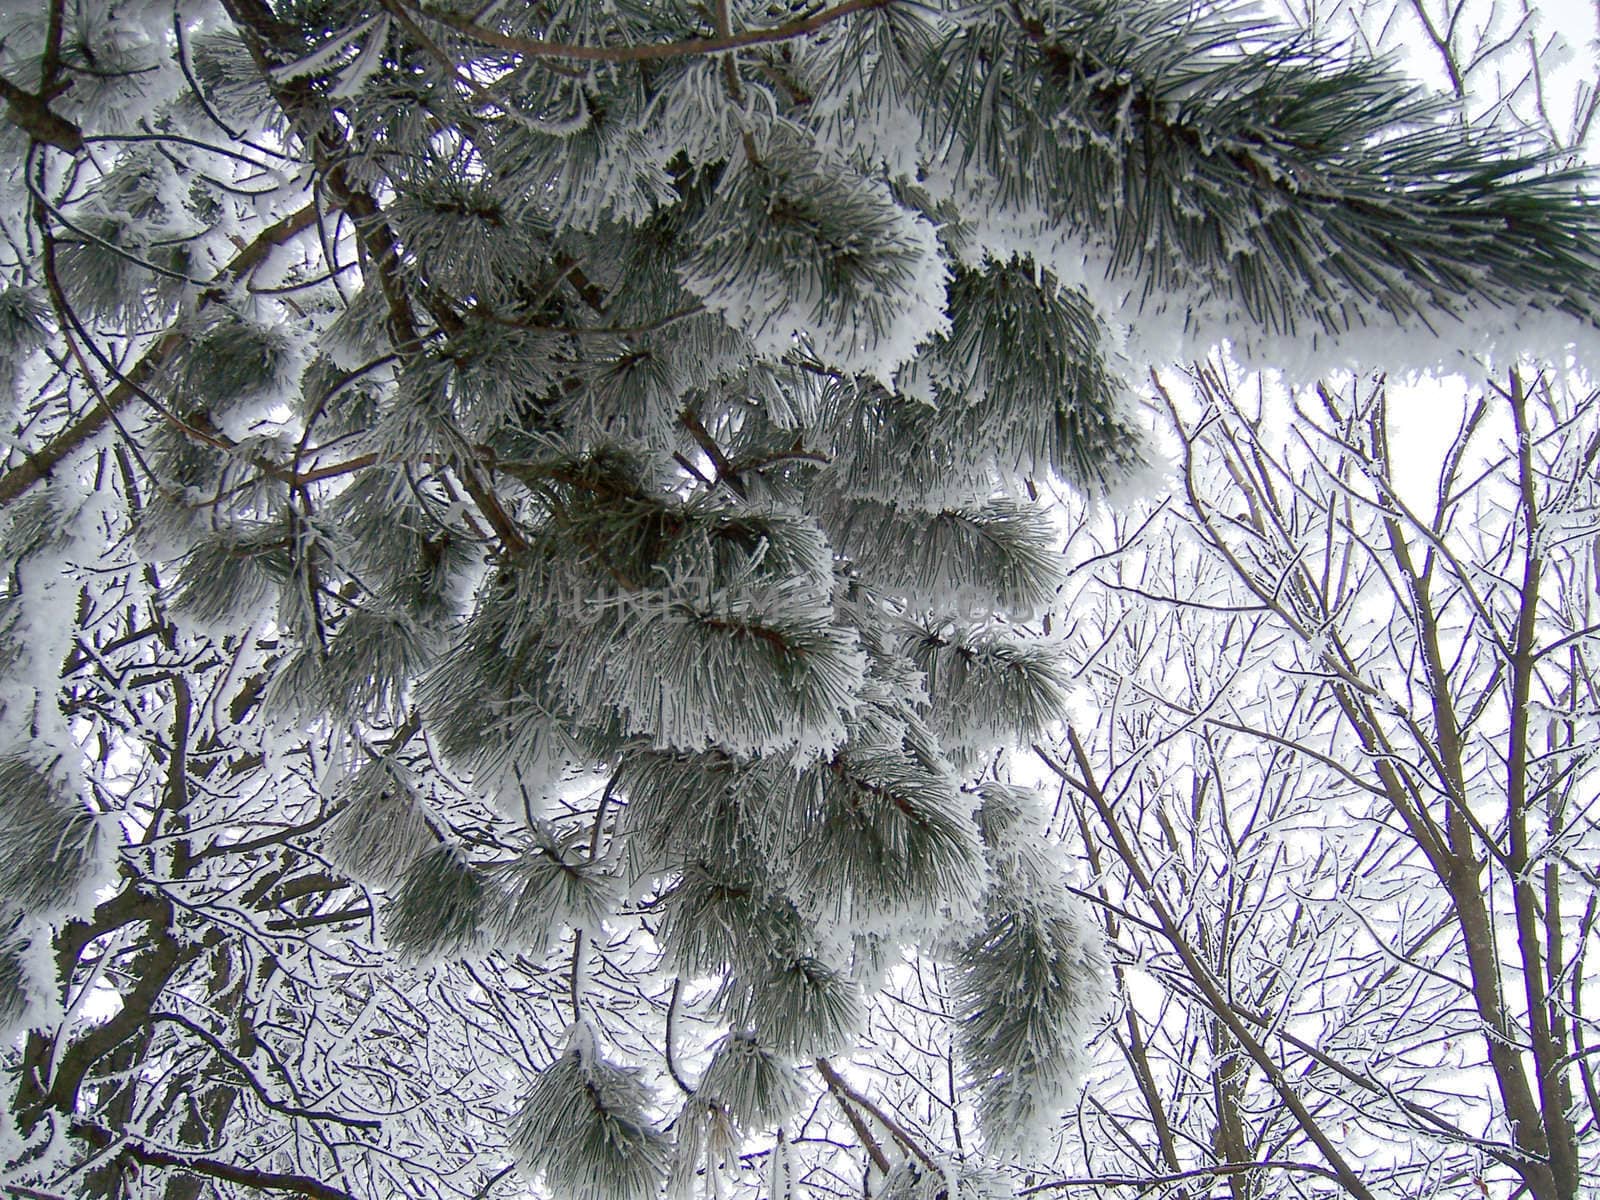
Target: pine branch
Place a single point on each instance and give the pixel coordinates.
(1379, 204)
(535, 48)
(841, 1087)
(314, 124)
(377, 237)
(667, 1039)
(33, 116)
(726, 472)
(135, 382)
(863, 1134)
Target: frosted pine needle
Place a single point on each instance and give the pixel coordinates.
(382, 827)
(803, 1007)
(439, 911)
(549, 888)
(758, 1087)
(584, 1131)
(49, 843)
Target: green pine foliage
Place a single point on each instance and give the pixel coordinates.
(801, 1007)
(757, 1087)
(440, 909)
(550, 888)
(14, 998)
(381, 825)
(50, 844)
(584, 1132)
(23, 330)
(943, 1180)
(567, 531)
(1020, 992)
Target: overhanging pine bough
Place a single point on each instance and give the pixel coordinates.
(505, 399)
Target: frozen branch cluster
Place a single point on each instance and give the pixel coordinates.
(1340, 793)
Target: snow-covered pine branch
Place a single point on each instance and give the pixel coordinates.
(528, 556)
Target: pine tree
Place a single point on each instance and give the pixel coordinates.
(525, 530)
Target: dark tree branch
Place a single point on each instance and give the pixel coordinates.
(212, 1168)
(133, 384)
(33, 116)
(690, 47)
